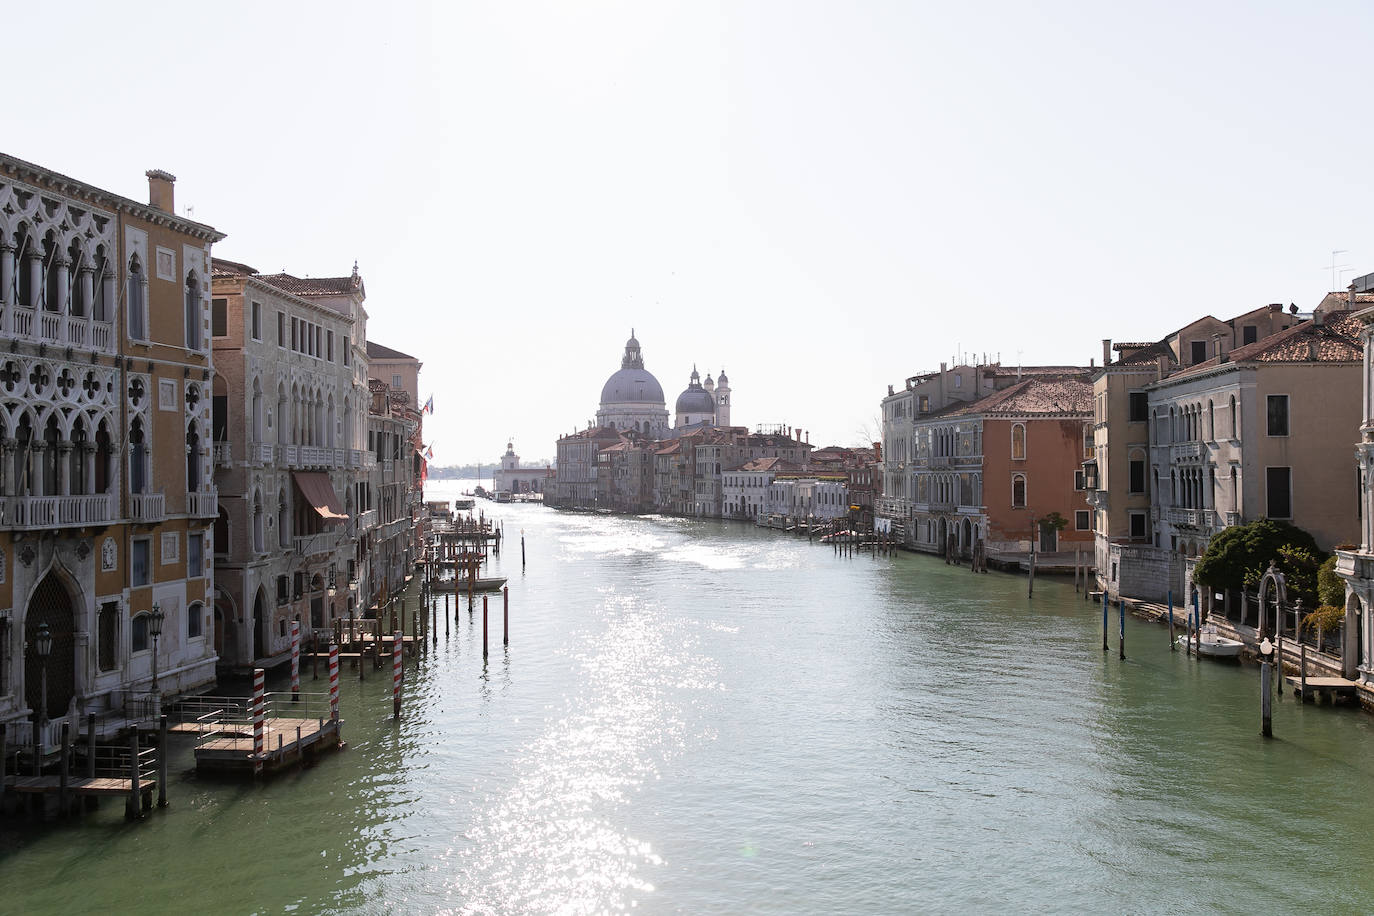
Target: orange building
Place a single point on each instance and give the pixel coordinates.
(990, 470)
(106, 492)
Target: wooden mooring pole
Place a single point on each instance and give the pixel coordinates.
(505, 615)
(1266, 702)
(1121, 635)
(1104, 620)
(162, 731)
(1172, 648)
(484, 627)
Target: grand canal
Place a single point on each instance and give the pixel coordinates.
(701, 717)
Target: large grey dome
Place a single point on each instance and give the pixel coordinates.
(632, 386)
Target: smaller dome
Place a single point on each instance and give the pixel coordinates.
(721, 379)
(695, 400)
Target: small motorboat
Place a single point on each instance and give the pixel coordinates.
(488, 584)
(1213, 645)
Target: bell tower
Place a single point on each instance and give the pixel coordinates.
(722, 397)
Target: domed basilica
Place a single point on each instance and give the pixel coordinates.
(632, 400)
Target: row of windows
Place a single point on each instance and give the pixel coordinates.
(140, 559)
(140, 640)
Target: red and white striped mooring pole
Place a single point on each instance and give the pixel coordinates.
(396, 646)
(334, 681)
(295, 661)
(259, 682)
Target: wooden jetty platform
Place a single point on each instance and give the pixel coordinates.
(295, 728)
(1319, 689)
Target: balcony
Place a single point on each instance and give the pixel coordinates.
(313, 544)
(21, 512)
(1189, 518)
(367, 520)
(289, 455)
(222, 454)
(388, 466)
(355, 457)
(147, 507)
(1186, 451)
(313, 456)
(260, 454)
(1230, 519)
(203, 504)
(60, 329)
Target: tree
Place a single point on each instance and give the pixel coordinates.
(1237, 558)
(1330, 586)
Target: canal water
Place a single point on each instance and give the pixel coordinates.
(702, 717)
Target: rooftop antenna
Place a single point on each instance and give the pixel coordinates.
(1334, 267)
(1343, 270)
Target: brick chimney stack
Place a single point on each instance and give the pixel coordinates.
(160, 190)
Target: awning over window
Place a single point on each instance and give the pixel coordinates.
(317, 489)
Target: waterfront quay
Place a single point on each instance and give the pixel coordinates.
(705, 716)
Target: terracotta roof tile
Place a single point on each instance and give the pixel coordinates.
(1062, 394)
(312, 286)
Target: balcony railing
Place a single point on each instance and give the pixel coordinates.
(260, 453)
(1232, 519)
(63, 330)
(367, 520)
(290, 455)
(204, 504)
(355, 457)
(56, 511)
(1190, 518)
(312, 544)
(222, 454)
(1185, 451)
(147, 507)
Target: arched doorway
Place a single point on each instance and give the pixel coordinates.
(942, 537)
(226, 629)
(966, 539)
(259, 627)
(51, 604)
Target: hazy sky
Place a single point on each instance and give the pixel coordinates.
(822, 198)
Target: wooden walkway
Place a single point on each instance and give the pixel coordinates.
(285, 741)
(1318, 688)
(78, 785)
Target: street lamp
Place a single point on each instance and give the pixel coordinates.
(42, 645)
(155, 628)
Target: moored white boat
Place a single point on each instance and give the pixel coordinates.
(1213, 645)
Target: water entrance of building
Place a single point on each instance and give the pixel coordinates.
(51, 604)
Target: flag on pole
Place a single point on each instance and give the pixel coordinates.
(429, 405)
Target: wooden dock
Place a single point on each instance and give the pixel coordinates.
(293, 731)
(1319, 689)
(79, 785)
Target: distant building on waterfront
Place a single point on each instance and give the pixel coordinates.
(510, 477)
(106, 493)
(395, 431)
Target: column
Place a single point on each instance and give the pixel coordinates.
(86, 299)
(63, 285)
(87, 466)
(35, 279)
(35, 464)
(6, 275)
(64, 467)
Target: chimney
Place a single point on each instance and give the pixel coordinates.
(1160, 372)
(1106, 353)
(160, 190)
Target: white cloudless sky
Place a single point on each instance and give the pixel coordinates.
(821, 198)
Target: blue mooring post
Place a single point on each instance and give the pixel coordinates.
(1171, 621)
(1104, 620)
(1121, 635)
